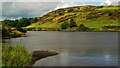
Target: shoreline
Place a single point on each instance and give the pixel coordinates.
(41, 54)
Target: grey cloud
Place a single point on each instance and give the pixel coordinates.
(31, 0)
(26, 9)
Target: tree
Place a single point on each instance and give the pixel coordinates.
(33, 20)
(23, 22)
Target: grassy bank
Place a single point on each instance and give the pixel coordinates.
(13, 28)
(10, 32)
(19, 57)
(15, 56)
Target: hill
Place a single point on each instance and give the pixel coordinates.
(97, 18)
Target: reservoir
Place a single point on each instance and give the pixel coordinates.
(75, 48)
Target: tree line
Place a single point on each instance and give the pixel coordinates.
(19, 23)
(13, 28)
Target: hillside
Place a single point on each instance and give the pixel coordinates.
(93, 18)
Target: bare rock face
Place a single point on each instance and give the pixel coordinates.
(37, 55)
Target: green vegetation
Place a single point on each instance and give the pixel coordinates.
(9, 32)
(94, 18)
(18, 56)
(64, 25)
(72, 24)
(19, 23)
(83, 28)
(14, 28)
(15, 56)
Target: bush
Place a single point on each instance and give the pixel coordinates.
(64, 25)
(16, 33)
(99, 6)
(6, 31)
(39, 28)
(72, 24)
(21, 29)
(83, 28)
(111, 28)
(15, 56)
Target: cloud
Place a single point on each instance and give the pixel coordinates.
(0, 7)
(110, 2)
(69, 4)
(26, 9)
(57, 0)
(35, 8)
(31, 0)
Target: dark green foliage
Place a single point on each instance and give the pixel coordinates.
(19, 23)
(99, 6)
(6, 31)
(72, 23)
(8, 22)
(21, 29)
(33, 20)
(64, 25)
(111, 28)
(83, 28)
(39, 28)
(70, 9)
(81, 25)
(23, 22)
(13, 28)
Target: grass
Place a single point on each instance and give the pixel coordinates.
(0, 55)
(19, 57)
(13, 56)
(44, 26)
(101, 23)
(109, 8)
(89, 23)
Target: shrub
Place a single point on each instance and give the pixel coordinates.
(16, 33)
(64, 25)
(21, 29)
(72, 24)
(83, 28)
(39, 28)
(6, 31)
(99, 6)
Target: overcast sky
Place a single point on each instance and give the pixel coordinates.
(56, 0)
(31, 8)
(26, 9)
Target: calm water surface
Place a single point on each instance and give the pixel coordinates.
(76, 48)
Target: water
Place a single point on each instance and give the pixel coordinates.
(76, 48)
